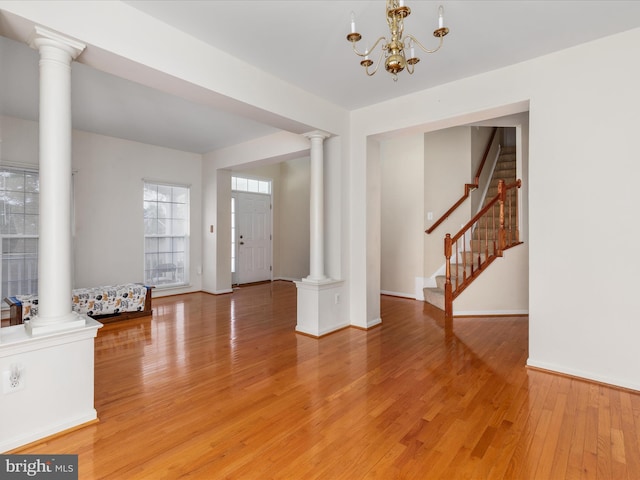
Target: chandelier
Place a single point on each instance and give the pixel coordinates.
(399, 52)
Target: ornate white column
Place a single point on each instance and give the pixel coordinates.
(316, 253)
(54, 247)
(319, 306)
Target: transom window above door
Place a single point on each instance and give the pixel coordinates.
(252, 185)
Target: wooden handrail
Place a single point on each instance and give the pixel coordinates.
(485, 155)
(503, 235)
(467, 186)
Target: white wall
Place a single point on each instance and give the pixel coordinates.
(402, 214)
(583, 107)
(373, 227)
(447, 167)
(293, 210)
(108, 209)
(502, 289)
(18, 142)
(109, 227)
(479, 138)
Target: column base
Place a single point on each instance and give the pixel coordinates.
(43, 325)
(320, 307)
(318, 281)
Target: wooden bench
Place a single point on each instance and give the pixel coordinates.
(17, 315)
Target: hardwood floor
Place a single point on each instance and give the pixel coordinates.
(216, 387)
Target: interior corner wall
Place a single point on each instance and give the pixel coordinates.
(447, 167)
(294, 228)
(210, 227)
(372, 175)
(222, 231)
(402, 214)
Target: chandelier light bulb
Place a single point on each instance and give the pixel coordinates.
(353, 22)
(440, 16)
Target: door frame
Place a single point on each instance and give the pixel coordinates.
(234, 226)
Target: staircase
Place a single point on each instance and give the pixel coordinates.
(484, 242)
(506, 170)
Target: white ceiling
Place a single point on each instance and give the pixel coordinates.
(303, 43)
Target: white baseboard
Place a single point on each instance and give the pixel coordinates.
(374, 322)
(552, 367)
(488, 313)
(28, 437)
(288, 279)
(398, 294)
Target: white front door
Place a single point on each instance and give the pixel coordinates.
(253, 237)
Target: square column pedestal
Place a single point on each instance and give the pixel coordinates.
(55, 391)
(320, 307)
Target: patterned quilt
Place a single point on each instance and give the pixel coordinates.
(94, 301)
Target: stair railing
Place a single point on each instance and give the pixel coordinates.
(480, 242)
(468, 187)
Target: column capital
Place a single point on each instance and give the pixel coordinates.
(317, 134)
(44, 37)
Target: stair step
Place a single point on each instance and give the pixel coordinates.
(507, 159)
(434, 296)
(478, 245)
(506, 174)
(469, 257)
(489, 232)
(442, 279)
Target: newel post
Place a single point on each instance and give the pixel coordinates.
(448, 293)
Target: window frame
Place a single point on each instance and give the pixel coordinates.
(161, 273)
(28, 259)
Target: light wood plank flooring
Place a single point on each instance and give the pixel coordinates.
(217, 387)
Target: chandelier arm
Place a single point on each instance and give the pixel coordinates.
(415, 40)
(368, 52)
(366, 67)
(410, 68)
